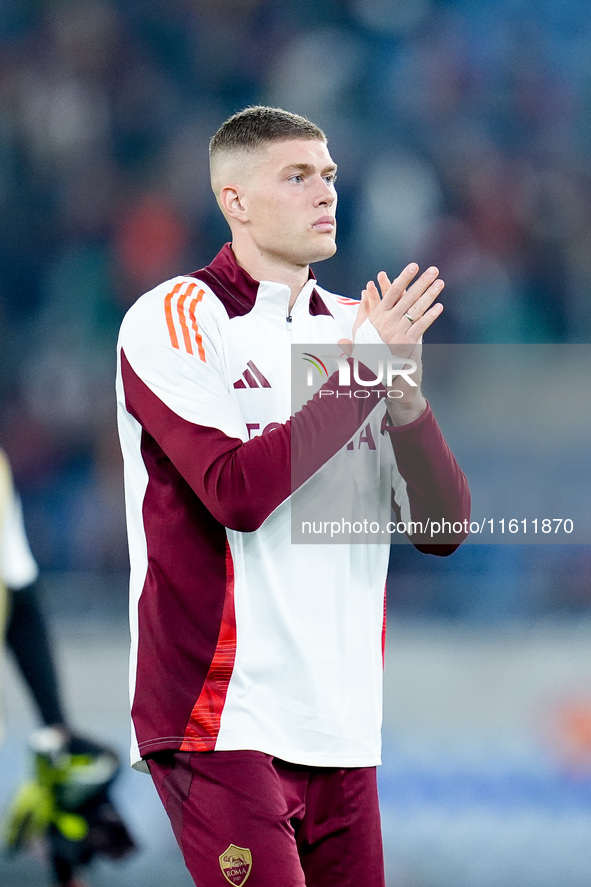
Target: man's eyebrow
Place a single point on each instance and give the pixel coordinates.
(307, 167)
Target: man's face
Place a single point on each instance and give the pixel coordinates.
(290, 201)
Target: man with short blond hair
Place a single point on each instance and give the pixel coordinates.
(256, 663)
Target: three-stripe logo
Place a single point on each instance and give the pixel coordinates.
(252, 378)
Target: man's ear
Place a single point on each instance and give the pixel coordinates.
(231, 203)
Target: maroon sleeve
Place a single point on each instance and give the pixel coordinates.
(242, 482)
(437, 487)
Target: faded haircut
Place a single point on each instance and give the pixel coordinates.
(257, 125)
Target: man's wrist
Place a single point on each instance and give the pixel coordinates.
(403, 413)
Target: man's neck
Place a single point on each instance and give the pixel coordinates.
(262, 267)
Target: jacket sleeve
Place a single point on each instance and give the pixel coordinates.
(433, 497)
(27, 636)
(184, 404)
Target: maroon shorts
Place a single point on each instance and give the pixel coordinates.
(241, 815)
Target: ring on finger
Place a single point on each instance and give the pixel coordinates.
(408, 317)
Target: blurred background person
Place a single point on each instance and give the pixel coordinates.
(66, 803)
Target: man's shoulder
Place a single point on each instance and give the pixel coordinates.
(342, 308)
(335, 300)
(169, 311)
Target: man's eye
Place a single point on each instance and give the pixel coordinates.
(296, 178)
(331, 178)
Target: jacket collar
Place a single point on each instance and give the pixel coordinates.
(237, 290)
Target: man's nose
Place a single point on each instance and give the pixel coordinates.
(326, 194)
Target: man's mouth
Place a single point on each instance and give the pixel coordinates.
(325, 223)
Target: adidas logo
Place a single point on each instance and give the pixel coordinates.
(252, 378)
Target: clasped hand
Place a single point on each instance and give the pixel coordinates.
(401, 310)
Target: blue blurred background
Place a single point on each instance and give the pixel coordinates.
(462, 131)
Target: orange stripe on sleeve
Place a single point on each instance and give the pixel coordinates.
(168, 312)
(181, 312)
(198, 336)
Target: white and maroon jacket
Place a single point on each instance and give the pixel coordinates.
(241, 639)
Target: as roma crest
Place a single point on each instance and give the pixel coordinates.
(236, 863)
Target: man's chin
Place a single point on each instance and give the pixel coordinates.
(323, 251)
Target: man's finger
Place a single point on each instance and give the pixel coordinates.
(396, 289)
(413, 306)
(422, 283)
(372, 294)
(423, 323)
(384, 282)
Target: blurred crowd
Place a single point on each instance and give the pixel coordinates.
(462, 131)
